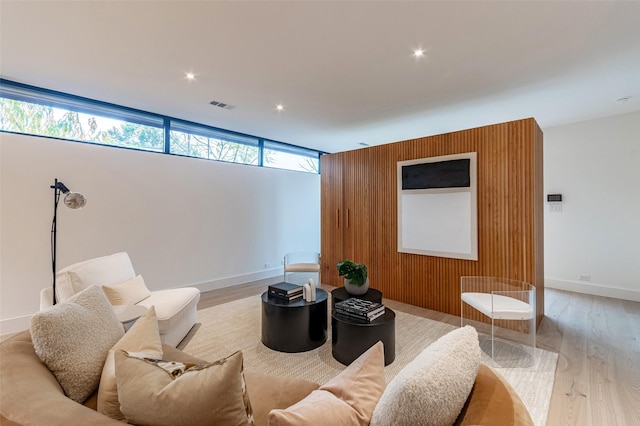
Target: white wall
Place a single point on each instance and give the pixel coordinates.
(183, 221)
(595, 165)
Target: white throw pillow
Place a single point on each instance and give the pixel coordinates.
(142, 339)
(129, 292)
(433, 388)
(73, 338)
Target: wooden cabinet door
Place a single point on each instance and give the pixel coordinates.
(331, 218)
(356, 190)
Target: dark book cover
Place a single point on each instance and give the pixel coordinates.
(284, 288)
(359, 306)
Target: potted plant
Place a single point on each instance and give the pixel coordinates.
(356, 279)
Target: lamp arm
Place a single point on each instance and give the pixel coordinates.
(57, 188)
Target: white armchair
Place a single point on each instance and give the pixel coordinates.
(300, 266)
(176, 308)
(505, 310)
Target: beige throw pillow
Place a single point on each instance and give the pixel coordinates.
(433, 388)
(129, 292)
(143, 338)
(348, 399)
(73, 338)
(154, 392)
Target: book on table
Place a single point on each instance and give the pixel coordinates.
(285, 291)
(359, 318)
(358, 308)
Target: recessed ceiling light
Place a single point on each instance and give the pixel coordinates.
(190, 76)
(621, 100)
(280, 107)
(363, 144)
(418, 53)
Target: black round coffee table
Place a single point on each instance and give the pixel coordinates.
(341, 294)
(296, 326)
(350, 339)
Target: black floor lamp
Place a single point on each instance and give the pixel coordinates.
(73, 200)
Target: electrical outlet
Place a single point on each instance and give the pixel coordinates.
(584, 277)
(267, 265)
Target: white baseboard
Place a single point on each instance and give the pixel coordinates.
(14, 325)
(594, 289)
(238, 279)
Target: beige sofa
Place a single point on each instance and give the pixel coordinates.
(30, 394)
(176, 308)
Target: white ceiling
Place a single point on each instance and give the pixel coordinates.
(343, 70)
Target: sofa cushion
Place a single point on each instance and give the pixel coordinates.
(73, 338)
(105, 270)
(143, 339)
(347, 399)
(171, 305)
(493, 402)
(129, 292)
(155, 392)
(432, 389)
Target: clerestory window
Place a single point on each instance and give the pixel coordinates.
(41, 112)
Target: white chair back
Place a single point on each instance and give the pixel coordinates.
(105, 270)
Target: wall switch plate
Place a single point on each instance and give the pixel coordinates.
(267, 265)
(555, 207)
(584, 277)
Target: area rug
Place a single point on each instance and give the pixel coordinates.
(224, 329)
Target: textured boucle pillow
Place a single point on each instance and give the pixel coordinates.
(433, 388)
(73, 338)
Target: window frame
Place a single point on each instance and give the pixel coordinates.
(69, 102)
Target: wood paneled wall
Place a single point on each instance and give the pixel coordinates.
(359, 215)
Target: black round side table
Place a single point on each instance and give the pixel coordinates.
(350, 339)
(340, 294)
(296, 326)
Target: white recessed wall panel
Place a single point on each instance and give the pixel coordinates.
(447, 226)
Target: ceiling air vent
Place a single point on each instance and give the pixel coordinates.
(222, 105)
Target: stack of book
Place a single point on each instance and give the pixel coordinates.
(359, 309)
(285, 291)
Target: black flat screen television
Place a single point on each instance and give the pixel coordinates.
(440, 174)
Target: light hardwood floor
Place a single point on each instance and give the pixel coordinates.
(597, 380)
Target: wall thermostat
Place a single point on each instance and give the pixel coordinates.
(554, 198)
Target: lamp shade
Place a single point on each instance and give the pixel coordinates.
(74, 200)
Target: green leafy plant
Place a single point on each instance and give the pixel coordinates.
(356, 272)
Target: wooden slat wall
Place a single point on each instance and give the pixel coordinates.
(331, 225)
(510, 215)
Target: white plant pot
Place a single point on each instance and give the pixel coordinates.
(356, 290)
